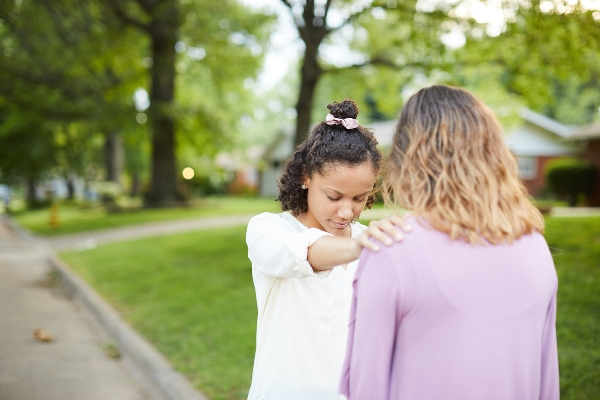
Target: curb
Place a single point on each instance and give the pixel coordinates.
(152, 370)
(23, 233)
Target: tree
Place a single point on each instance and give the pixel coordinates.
(62, 66)
(92, 51)
(31, 147)
(395, 23)
(162, 22)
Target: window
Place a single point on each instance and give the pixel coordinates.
(527, 167)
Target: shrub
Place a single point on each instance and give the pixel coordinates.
(571, 178)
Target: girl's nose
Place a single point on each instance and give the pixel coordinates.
(345, 213)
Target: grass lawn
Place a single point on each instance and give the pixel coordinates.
(576, 248)
(76, 219)
(192, 296)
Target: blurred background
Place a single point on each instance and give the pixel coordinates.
(120, 112)
(111, 101)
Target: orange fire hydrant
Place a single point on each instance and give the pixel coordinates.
(54, 223)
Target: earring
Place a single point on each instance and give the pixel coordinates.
(303, 186)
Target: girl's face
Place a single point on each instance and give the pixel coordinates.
(338, 196)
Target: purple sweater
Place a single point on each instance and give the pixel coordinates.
(438, 319)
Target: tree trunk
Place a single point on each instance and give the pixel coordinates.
(134, 190)
(70, 187)
(113, 157)
(30, 196)
(163, 31)
(312, 33)
(308, 82)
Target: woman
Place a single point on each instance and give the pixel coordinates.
(303, 259)
(464, 308)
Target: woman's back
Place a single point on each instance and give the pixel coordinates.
(452, 320)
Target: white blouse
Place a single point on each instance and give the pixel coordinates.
(302, 315)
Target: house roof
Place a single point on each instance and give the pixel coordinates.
(591, 131)
(281, 146)
(546, 123)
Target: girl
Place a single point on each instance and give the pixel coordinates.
(464, 308)
(303, 260)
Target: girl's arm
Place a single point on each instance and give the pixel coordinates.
(331, 251)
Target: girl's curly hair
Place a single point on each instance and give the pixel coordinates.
(327, 146)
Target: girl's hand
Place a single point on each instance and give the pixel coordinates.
(384, 230)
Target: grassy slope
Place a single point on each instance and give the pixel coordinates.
(74, 219)
(192, 296)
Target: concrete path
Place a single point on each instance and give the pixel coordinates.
(91, 239)
(72, 366)
(575, 212)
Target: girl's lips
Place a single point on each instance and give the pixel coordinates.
(339, 225)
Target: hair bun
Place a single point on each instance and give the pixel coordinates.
(345, 109)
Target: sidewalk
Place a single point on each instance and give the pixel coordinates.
(72, 366)
(575, 212)
(87, 240)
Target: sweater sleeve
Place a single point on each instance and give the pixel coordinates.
(550, 380)
(372, 330)
(276, 250)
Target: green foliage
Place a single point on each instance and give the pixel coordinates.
(27, 147)
(400, 47)
(486, 83)
(549, 59)
(74, 65)
(68, 76)
(571, 178)
(211, 93)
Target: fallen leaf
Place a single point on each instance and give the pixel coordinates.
(42, 336)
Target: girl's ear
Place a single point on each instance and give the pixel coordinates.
(305, 180)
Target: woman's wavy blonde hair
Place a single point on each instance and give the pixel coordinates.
(449, 163)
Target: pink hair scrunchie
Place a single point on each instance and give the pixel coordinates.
(348, 123)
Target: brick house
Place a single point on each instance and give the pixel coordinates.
(537, 140)
(589, 137)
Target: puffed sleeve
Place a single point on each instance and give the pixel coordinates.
(276, 249)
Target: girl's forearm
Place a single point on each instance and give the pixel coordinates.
(330, 251)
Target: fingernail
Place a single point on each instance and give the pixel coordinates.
(376, 248)
(399, 237)
(408, 228)
(388, 242)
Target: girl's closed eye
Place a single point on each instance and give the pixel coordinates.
(332, 199)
